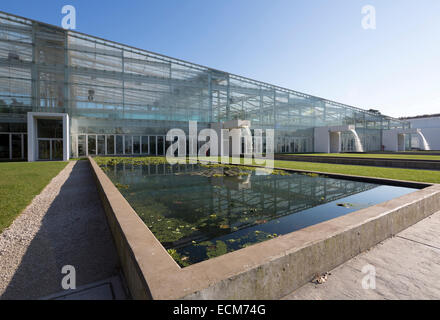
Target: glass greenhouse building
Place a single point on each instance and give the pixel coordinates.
(64, 91)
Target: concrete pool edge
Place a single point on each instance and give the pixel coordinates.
(135, 262)
(267, 270)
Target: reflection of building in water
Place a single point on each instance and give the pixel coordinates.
(233, 183)
(271, 196)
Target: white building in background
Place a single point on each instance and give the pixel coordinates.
(430, 127)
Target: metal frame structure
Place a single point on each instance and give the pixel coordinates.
(108, 88)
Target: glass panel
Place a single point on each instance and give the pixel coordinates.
(119, 145)
(128, 141)
(101, 145)
(73, 146)
(16, 146)
(145, 145)
(50, 128)
(44, 150)
(97, 94)
(57, 150)
(81, 146)
(168, 144)
(92, 145)
(110, 144)
(25, 146)
(136, 144)
(4, 146)
(153, 146)
(160, 141)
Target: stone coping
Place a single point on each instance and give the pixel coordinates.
(267, 270)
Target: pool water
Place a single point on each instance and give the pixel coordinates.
(199, 211)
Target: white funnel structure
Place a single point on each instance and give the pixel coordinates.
(357, 141)
(394, 140)
(328, 139)
(423, 142)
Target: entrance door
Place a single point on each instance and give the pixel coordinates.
(44, 150)
(57, 149)
(50, 139)
(50, 149)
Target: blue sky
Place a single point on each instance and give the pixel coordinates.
(317, 47)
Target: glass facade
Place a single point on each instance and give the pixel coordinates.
(123, 100)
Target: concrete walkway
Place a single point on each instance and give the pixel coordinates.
(64, 225)
(407, 267)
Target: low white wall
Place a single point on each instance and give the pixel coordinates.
(389, 140)
(430, 128)
(328, 139)
(335, 142)
(322, 140)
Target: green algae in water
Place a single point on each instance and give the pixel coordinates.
(217, 249)
(113, 161)
(183, 261)
(198, 212)
(121, 186)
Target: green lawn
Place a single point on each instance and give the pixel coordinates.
(373, 155)
(378, 172)
(20, 182)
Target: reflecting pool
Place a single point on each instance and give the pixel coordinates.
(202, 211)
